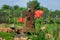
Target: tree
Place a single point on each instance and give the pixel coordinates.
(5, 7)
(36, 4)
(16, 7)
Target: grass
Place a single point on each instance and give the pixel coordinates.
(7, 36)
(50, 28)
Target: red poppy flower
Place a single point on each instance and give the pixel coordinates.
(38, 13)
(21, 20)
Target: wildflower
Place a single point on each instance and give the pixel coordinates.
(21, 20)
(4, 29)
(16, 38)
(48, 35)
(38, 13)
(1, 38)
(24, 38)
(29, 39)
(11, 25)
(0, 29)
(42, 28)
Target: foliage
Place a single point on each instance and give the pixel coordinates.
(36, 4)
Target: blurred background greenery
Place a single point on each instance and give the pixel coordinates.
(10, 14)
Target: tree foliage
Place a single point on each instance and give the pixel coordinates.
(11, 13)
(36, 4)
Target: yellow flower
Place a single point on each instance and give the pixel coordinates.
(1, 38)
(24, 38)
(43, 28)
(16, 38)
(48, 35)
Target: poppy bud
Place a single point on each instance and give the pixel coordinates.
(38, 13)
(21, 20)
